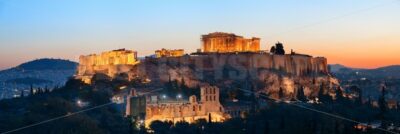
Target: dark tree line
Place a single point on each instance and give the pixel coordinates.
(44, 105)
(277, 49)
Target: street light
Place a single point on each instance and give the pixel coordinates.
(79, 103)
(179, 96)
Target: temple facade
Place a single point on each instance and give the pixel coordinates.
(228, 42)
(169, 53)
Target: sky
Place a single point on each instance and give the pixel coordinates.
(355, 33)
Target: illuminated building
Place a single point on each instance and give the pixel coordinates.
(135, 106)
(169, 53)
(228, 42)
(237, 109)
(208, 107)
(109, 63)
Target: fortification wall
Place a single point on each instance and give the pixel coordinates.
(109, 63)
(272, 72)
(290, 64)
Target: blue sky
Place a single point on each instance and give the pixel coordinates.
(31, 29)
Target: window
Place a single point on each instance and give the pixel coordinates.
(194, 108)
(214, 98)
(199, 107)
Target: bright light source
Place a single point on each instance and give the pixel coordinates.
(81, 103)
(164, 96)
(179, 96)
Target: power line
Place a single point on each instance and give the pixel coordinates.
(60, 117)
(319, 111)
(70, 114)
(334, 18)
(300, 106)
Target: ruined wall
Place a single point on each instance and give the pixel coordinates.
(109, 63)
(188, 111)
(169, 53)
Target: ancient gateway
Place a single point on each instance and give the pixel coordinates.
(228, 42)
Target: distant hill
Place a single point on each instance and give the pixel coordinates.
(48, 64)
(39, 73)
(28, 81)
(336, 67)
(346, 73)
(383, 72)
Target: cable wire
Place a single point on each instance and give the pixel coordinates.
(69, 114)
(334, 18)
(319, 111)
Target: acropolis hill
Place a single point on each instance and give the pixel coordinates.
(223, 58)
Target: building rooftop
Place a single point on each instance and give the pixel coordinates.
(220, 34)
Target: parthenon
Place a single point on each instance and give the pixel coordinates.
(228, 42)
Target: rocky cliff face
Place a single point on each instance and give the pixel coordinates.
(261, 72)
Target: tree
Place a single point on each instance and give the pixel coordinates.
(182, 127)
(339, 95)
(382, 101)
(209, 118)
(281, 94)
(282, 124)
(39, 91)
(322, 96)
(183, 84)
(46, 89)
(369, 103)
(300, 94)
(359, 92)
(31, 90)
(279, 49)
(321, 91)
(337, 127)
(266, 128)
(383, 107)
(183, 88)
(272, 50)
(160, 127)
(22, 93)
